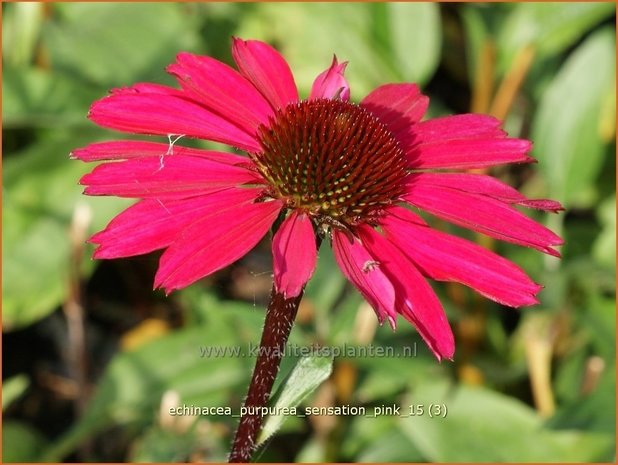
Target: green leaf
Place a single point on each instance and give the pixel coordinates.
(20, 442)
(594, 412)
(550, 27)
(180, 442)
(384, 377)
(604, 247)
(566, 129)
(12, 388)
(116, 43)
(131, 389)
(313, 451)
(393, 447)
(484, 426)
(343, 318)
(34, 273)
(323, 291)
(40, 195)
(569, 373)
(600, 319)
(20, 32)
(159, 445)
(379, 439)
(326, 284)
(476, 33)
(35, 97)
(415, 33)
(306, 376)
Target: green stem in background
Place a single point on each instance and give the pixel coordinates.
(512, 82)
(280, 317)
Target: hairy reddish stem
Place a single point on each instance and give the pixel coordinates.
(280, 317)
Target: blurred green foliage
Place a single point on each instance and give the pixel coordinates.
(58, 58)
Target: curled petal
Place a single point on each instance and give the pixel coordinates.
(483, 214)
(331, 83)
(153, 224)
(363, 271)
(397, 105)
(267, 70)
(222, 90)
(294, 254)
(164, 114)
(415, 299)
(173, 176)
(444, 257)
(214, 242)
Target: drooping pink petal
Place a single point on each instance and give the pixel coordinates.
(128, 149)
(153, 224)
(415, 299)
(397, 105)
(222, 90)
(164, 114)
(483, 214)
(485, 185)
(267, 70)
(331, 83)
(294, 254)
(462, 141)
(444, 257)
(214, 242)
(172, 176)
(364, 272)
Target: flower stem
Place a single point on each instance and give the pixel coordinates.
(280, 316)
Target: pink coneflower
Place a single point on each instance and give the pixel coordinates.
(326, 168)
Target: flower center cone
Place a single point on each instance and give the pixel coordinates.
(332, 159)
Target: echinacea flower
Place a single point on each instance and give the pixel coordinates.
(323, 166)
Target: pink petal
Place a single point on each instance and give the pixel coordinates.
(462, 141)
(214, 242)
(267, 70)
(397, 105)
(485, 185)
(222, 90)
(363, 271)
(456, 127)
(128, 149)
(542, 204)
(331, 83)
(481, 213)
(416, 300)
(467, 154)
(163, 114)
(448, 258)
(126, 235)
(172, 176)
(146, 88)
(294, 254)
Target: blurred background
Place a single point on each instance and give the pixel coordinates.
(93, 358)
